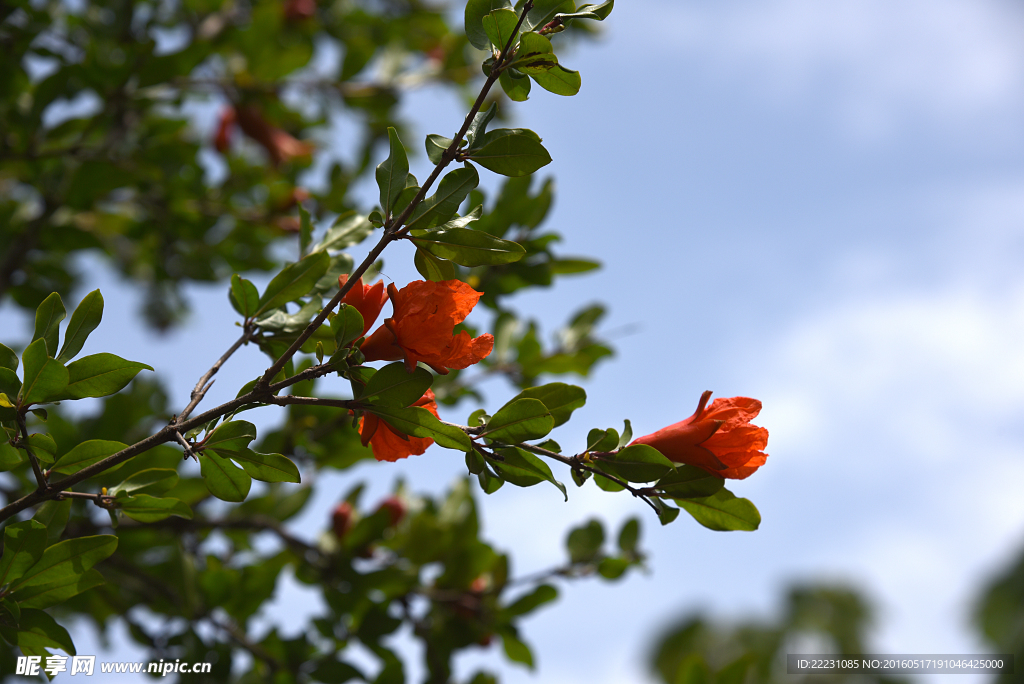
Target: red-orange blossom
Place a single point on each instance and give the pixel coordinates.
(422, 326)
(389, 445)
(718, 438)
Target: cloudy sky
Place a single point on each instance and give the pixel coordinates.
(816, 204)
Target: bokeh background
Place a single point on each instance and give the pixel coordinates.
(816, 204)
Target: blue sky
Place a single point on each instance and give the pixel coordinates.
(820, 205)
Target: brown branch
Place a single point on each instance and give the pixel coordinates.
(256, 523)
(26, 445)
(291, 400)
(205, 382)
(576, 463)
(263, 391)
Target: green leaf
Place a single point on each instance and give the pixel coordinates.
(463, 221)
(559, 398)
(524, 469)
(49, 314)
(100, 375)
(347, 325)
(602, 440)
(54, 515)
(69, 558)
(559, 80)
(606, 484)
(433, 268)
(723, 511)
(8, 359)
(294, 281)
(573, 266)
(47, 595)
(584, 542)
(489, 482)
(436, 146)
(469, 247)
(545, 593)
(394, 387)
(235, 434)
(23, 546)
(476, 10)
(244, 296)
(627, 434)
(518, 421)
(265, 467)
(442, 205)
(43, 447)
(45, 378)
(10, 458)
(84, 320)
(348, 229)
(224, 479)
(515, 649)
(580, 476)
(597, 12)
(517, 87)
(149, 481)
(147, 509)
(37, 631)
(534, 54)
(10, 385)
(478, 126)
(500, 25)
(637, 463)
(340, 263)
(10, 613)
(85, 454)
(612, 568)
(666, 513)
(392, 172)
(689, 482)
(629, 535)
(544, 11)
(511, 152)
(282, 321)
(419, 422)
(305, 229)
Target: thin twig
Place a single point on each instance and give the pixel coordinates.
(576, 463)
(205, 382)
(263, 390)
(391, 229)
(26, 445)
(292, 400)
(189, 453)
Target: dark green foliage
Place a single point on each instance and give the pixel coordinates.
(697, 649)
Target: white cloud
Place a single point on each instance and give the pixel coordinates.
(879, 63)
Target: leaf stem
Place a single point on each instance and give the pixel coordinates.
(26, 445)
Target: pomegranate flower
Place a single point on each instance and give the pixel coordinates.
(280, 146)
(422, 326)
(368, 300)
(718, 438)
(387, 443)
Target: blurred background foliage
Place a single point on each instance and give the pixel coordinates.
(175, 141)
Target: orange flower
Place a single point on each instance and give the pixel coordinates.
(368, 300)
(297, 10)
(718, 438)
(280, 146)
(222, 139)
(422, 325)
(386, 442)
